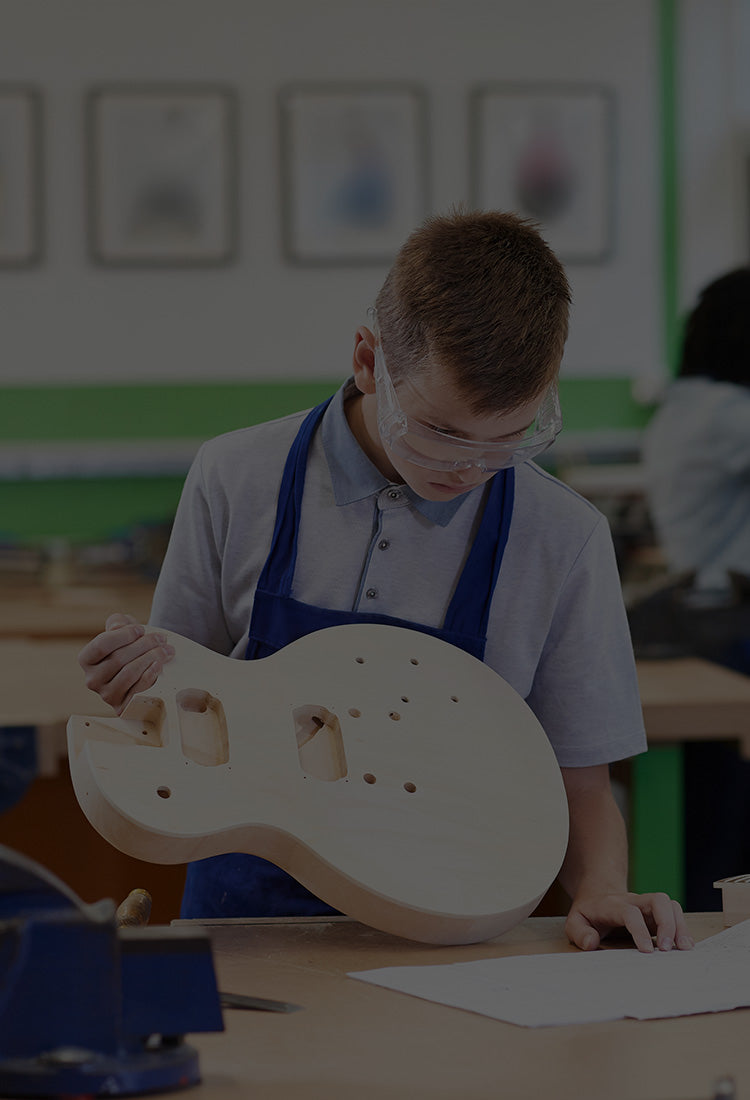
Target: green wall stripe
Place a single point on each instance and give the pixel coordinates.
(93, 509)
(84, 510)
(202, 410)
(162, 411)
(601, 403)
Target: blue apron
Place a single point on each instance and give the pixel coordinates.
(241, 885)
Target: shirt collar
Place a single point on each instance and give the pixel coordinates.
(354, 477)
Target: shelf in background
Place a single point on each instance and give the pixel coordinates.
(34, 461)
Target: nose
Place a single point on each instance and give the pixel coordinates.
(468, 475)
(471, 467)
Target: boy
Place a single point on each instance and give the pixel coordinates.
(410, 498)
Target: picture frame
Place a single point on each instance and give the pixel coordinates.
(354, 170)
(162, 175)
(20, 176)
(546, 152)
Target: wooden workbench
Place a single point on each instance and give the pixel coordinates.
(350, 1039)
(32, 610)
(689, 699)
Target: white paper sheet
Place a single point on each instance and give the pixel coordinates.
(585, 987)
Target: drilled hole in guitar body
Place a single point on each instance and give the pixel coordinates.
(148, 715)
(203, 727)
(320, 743)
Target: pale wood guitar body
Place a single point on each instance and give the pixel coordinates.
(395, 776)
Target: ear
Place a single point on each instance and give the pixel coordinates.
(363, 360)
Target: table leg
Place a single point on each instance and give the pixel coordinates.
(657, 845)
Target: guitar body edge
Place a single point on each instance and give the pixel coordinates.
(396, 777)
(294, 857)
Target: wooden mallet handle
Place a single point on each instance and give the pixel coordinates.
(135, 910)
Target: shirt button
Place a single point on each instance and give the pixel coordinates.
(371, 593)
(383, 544)
(394, 494)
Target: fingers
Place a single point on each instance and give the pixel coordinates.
(667, 922)
(633, 920)
(143, 677)
(139, 672)
(123, 660)
(118, 618)
(664, 923)
(580, 932)
(683, 940)
(663, 917)
(111, 639)
(645, 916)
(585, 930)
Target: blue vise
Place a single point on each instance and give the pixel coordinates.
(87, 1008)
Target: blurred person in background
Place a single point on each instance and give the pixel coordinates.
(697, 457)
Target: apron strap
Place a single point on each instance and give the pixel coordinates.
(278, 571)
(469, 611)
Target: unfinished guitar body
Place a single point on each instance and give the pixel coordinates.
(395, 776)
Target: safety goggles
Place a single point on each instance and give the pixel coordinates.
(434, 449)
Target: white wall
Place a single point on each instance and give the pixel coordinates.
(69, 321)
(714, 109)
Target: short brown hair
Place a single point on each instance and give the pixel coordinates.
(483, 294)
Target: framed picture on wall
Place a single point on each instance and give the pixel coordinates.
(20, 176)
(162, 168)
(354, 171)
(545, 151)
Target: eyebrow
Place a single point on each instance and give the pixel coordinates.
(462, 435)
(438, 424)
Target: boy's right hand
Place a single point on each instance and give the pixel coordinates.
(123, 660)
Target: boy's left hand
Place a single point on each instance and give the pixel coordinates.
(644, 916)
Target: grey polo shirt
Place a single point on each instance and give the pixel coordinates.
(557, 632)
